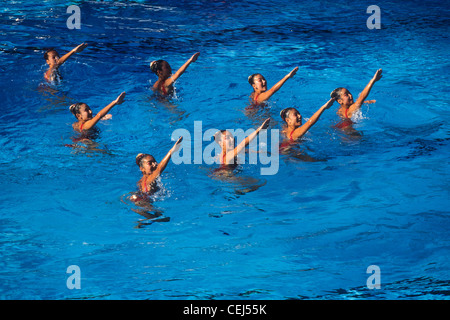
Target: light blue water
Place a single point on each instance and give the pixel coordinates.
(308, 232)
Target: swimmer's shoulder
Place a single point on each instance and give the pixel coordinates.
(76, 126)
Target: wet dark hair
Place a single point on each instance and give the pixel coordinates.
(251, 77)
(156, 66)
(47, 52)
(75, 108)
(336, 93)
(284, 113)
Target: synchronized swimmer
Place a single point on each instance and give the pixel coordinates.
(83, 113)
(151, 170)
(53, 60)
(259, 84)
(295, 129)
(164, 84)
(229, 152)
(345, 99)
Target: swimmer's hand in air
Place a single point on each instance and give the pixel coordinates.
(119, 99)
(265, 125)
(378, 75)
(176, 146)
(194, 57)
(292, 73)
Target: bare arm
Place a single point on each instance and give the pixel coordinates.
(231, 155)
(363, 95)
(180, 71)
(267, 94)
(77, 49)
(163, 164)
(300, 131)
(92, 122)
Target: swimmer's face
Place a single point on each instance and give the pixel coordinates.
(345, 97)
(148, 165)
(165, 71)
(259, 83)
(227, 140)
(294, 118)
(85, 113)
(52, 58)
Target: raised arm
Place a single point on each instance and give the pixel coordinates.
(300, 131)
(163, 164)
(267, 94)
(231, 155)
(77, 49)
(363, 95)
(180, 71)
(92, 122)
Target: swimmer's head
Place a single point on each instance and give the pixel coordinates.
(51, 56)
(161, 68)
(291, 116)
(258, 82)
(81, 111)
(342, 96)
(146, 163)
(224, 138)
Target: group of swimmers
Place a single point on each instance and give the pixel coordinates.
(151, 169)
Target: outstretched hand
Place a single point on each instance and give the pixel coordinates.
(120, 98)
(293, 72)
(194, 57)
(177, 144)
(265, 124)
(378, 75)
(80, 47)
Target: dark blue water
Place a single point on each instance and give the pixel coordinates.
(308, 232)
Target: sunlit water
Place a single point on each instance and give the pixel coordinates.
(337, 205)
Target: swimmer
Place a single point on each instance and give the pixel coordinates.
(53, 60)
(83, 113)
(151, 169)
(259, 84)
(226, 141)
(295, 129)
(347, 106)
(162, 69)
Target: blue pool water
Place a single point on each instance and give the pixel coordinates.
(308, 232)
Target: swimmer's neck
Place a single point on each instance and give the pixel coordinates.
(259, 91)
(162, 78)
(289, 129)
(343, 108)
